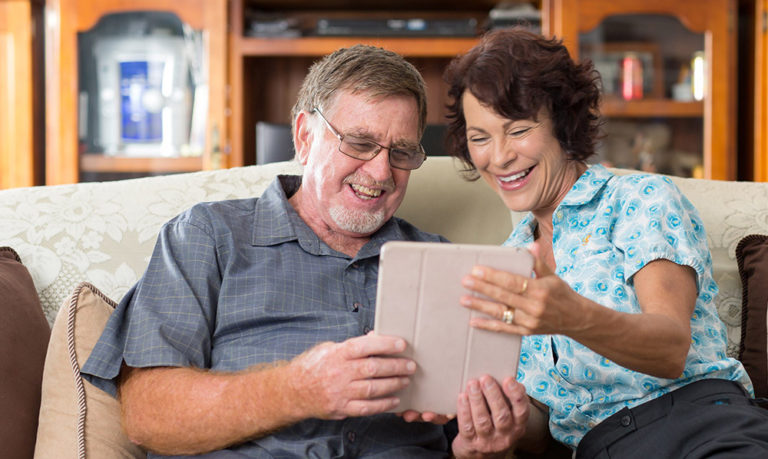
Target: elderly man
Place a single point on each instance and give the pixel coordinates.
(248, 334)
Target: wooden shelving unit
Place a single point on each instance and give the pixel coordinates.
(120, 164)
(651, 108)
(319, 46)
(266, 73)
(256, 79)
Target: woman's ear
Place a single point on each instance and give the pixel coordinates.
(302, 137)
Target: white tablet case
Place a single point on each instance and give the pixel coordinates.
(419, 287)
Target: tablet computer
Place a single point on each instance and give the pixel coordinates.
(417, 298)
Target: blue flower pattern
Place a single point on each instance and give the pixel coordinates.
(606, 229)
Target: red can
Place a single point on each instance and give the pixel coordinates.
(631, 77)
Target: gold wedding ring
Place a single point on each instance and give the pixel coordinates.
(525, 286)
(508, 316)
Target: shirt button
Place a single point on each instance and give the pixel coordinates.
(366, 329)
(559, 214)
(355, 265)
(351, 436)
(626, 421)
(356, 306)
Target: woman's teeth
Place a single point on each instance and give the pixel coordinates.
(365, 192)
(512, 178)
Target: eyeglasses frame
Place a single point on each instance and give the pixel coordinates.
(340, 136)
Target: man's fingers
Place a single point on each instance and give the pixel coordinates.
(369, 389)
(367, 345)
(427, 416)
(382, 367)
(370, 407)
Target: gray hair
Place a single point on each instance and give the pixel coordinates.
(361, 69)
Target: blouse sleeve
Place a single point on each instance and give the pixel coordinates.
(654, 220)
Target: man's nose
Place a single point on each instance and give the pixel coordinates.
(378, 167)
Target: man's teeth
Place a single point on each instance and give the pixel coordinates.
(364, 191)
(512, 178)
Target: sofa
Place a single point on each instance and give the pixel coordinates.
(76, 249)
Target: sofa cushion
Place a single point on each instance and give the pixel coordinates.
(24, 334)
(752, 257)
(78, 420)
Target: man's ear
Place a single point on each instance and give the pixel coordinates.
(302, 137)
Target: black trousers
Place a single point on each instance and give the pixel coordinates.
(713, 418)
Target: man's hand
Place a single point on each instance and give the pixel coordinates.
(491, 419)
(352, 378)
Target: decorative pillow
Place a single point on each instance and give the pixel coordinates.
(78, 420)
(24, 334)
(752, 256)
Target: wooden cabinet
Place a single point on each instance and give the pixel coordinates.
(758, 157)
(266, 72)
(65, 19)
(21, 86)
(680, 44)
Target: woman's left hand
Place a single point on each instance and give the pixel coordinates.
(491, 418)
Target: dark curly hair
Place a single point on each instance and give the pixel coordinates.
(517, 73)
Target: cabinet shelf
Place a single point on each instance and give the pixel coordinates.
(320, 46)
(651, 108)
(90, 162)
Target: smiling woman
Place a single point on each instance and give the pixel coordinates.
(624, 290)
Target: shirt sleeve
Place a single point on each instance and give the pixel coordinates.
(167, 318)
(656, 221)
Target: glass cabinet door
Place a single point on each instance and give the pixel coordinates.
(654, 83)
(137, 89)
(667, 79)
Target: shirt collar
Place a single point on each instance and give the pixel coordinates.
(589, 185)
(272, 221)
(276, 222)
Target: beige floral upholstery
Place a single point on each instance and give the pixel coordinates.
(103, 233)
(730, 210)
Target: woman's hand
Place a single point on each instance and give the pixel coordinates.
(491, 418)
(522, 305)
(655, 341)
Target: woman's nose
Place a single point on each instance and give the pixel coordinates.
(503, 153)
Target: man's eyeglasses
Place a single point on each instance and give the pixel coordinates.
(366, 149)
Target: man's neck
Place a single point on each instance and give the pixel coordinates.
(339, 242)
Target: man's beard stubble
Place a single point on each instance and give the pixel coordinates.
(360, 222)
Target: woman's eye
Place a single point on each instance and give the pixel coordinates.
(519, 132)
(478, 140)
